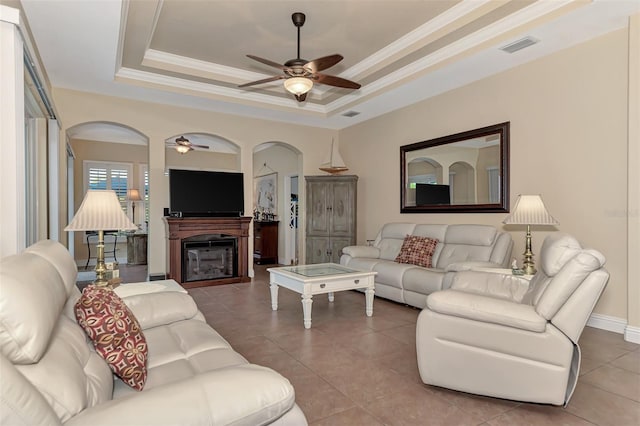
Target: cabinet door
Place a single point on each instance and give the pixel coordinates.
(337, 244)
(257, 238)
(317, 250)
(341, 208)
(318, 215)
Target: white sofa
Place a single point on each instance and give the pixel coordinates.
(503, 336)
(460, 247)
(50, 373)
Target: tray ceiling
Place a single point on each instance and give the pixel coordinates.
(193, 53)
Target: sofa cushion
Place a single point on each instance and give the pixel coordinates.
(115, 333)
(26, 328)
(180, 351)
(391, 273)
(417, 251)
(424, 281)
(390, 238)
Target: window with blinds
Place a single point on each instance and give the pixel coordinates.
(114, 176)
(144, 178)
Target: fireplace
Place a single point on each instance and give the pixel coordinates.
(209, 257)
(208, 251)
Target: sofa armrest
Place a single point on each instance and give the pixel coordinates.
(241, 395)
(486, 309)
(362, 251)
(503, 286)
(154, 309)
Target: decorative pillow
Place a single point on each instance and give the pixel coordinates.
(115, 332)
(417, 250)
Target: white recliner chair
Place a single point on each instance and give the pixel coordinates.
(502, 336)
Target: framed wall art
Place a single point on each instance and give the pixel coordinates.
(265, 193)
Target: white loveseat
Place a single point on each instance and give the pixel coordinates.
(460, 248)
(50, 374)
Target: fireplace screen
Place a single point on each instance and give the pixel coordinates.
(209, 258)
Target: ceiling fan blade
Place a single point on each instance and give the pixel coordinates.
(332, 80)
(267, 62)
(200, 146)
(323, 63)
(301, 98)
(264, 80)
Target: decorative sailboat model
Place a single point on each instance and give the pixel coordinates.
(333, 163)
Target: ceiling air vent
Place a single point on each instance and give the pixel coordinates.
(519, 44)
(350, 114)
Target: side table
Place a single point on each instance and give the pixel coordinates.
(137, 249)
(504, 271)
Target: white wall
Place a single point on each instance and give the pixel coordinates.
(568, 115)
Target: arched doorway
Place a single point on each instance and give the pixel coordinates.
(281, 162)
(108, 155)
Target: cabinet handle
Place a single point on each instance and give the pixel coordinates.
(356, 281)
(323, 285)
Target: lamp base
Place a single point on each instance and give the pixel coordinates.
(528, 266)
(101, 268)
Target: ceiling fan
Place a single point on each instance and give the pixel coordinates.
(183, 145)
(300, 74)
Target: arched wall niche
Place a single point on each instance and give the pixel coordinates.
(210, 152)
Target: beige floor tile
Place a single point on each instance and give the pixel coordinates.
(416, 406)
(318, 399)
(629, 362)
(603, 408)
(587, 364)
(365, 381)
(606, 338)
(538, 415)
(615, 380)
(355, 416)
(482, 407)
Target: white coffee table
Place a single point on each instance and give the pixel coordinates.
(309, 280)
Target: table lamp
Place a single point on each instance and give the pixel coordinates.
(100, 210)
(529, 210)
(133, 195)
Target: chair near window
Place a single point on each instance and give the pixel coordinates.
(110, 237)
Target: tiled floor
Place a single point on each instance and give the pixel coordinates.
(349, 369)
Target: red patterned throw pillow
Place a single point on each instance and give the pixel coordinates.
(115, 333)
(417, 250)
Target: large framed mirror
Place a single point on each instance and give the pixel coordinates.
(463, 173)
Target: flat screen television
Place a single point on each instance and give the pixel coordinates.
(198, 193)
(428, 194)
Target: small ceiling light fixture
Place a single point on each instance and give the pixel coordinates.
(298, 85)
(183, 149)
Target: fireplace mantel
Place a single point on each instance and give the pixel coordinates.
(181, 228)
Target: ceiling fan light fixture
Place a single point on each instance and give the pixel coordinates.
(183, 149)
(298, 85)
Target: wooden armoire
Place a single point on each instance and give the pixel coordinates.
(330, 216)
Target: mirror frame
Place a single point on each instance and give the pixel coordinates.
(502, 207)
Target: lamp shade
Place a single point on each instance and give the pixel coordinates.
(100, 210)
(298, 85)
(133, 195)
(530, 210)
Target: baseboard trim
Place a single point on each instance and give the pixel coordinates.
(632, 334)
(616, 325)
